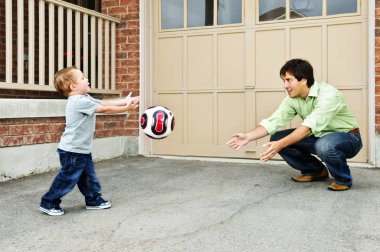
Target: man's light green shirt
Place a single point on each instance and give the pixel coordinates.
(323, 111)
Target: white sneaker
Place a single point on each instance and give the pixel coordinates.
(103, 205)
(52, 211)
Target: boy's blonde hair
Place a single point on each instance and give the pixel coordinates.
(63, 79)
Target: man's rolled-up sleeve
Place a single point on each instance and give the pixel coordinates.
(324, 111)
(284, 114)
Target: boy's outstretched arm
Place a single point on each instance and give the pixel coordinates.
(114, 109)
(121, 102)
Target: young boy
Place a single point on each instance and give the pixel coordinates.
(75, 146)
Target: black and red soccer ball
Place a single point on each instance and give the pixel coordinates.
(157, 122)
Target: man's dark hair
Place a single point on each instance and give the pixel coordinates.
(300, 69)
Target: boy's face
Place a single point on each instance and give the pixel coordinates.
(81, 85)
(295, 88)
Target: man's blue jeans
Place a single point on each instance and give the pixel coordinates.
(333, 149)
(77, 169)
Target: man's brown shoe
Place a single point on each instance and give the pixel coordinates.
(324, 174)
(337, 187)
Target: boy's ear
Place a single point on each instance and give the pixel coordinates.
(73, 86)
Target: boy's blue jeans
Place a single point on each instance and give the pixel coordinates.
(77, 169)
(333, 149)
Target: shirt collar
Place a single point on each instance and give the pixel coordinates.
(313, 92)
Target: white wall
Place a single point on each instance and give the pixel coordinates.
(22, 161)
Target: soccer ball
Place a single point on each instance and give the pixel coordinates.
(157, 122)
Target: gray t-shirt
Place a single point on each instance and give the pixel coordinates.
(80, 124)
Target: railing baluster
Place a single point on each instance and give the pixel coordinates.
(100, 53)
(20, 41)
(93, 52)
(106, 55)
(85, 44)
(41, 42)
(60, 37)
(77, 39)
(51, 45)
(69, 38)
(8, 42)
(113, 56)
(31, 43)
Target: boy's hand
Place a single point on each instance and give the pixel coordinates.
(131, 103)
(131, 106)
(130, 99)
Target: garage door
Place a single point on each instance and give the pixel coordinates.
(216, 65)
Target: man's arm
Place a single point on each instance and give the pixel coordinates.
(240, 139)
(276, 146)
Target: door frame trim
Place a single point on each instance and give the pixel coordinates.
(371, 84)
(146, 61)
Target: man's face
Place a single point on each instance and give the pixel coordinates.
(295, 88)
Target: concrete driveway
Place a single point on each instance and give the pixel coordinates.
(191, 205)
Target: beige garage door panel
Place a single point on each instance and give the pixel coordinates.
(231, 119)
(231, 60)
(357, 102)
(200, 111)
(200, 62)
(174, 102)
(266, 104)
(306, 43)
(345, 59)
(270, 53)
(170, 58)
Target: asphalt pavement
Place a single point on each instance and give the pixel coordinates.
(192, 205)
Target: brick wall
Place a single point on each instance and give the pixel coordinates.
(377, 67)
(127, 50)
(27, 131)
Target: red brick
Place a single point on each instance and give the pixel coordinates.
(42, 128)
(109, 3)
(377, 129)
(133, 55)
(12, 141)
(116, 10)
(377, 42)
(129, 2)
(20, 129)
(133, 8)
(133, 70)
(132, 124)
(4, 130)
(35, 139)
(133, 86)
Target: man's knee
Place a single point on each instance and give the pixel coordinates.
(325, 149)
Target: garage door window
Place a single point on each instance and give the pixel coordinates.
(171, 14)
(272, 10)
(229, 12)
(200, 13)
(335, 7)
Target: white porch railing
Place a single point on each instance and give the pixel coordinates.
(74, 35)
